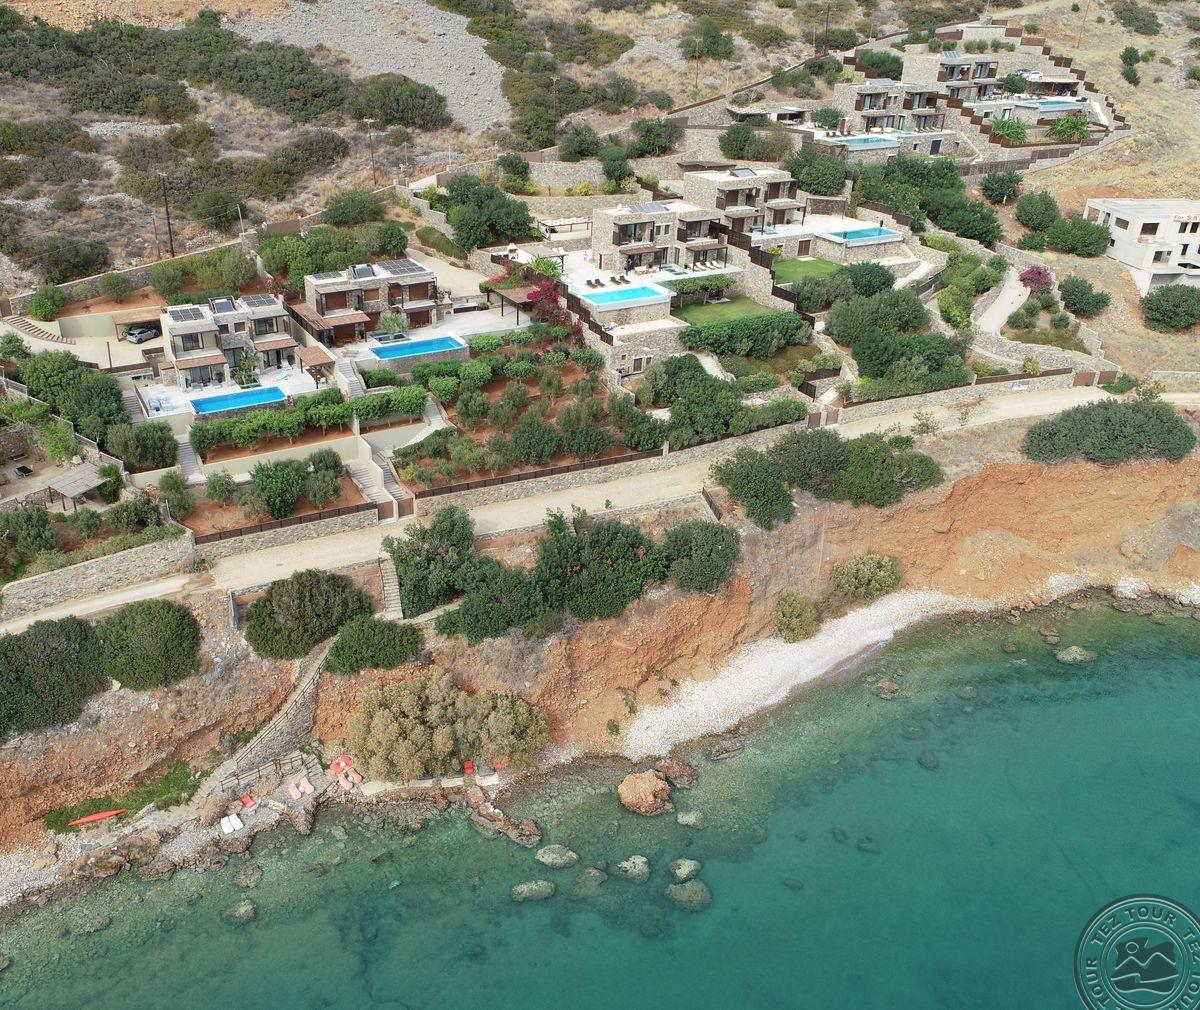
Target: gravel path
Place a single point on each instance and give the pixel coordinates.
(396, 36)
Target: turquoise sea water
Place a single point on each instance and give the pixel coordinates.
(1009, 797)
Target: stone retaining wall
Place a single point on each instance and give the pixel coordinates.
(91, 578)
(945, 397)
(287, 535)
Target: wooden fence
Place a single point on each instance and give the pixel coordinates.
(279, 524)
(550, 471)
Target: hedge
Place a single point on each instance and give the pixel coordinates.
(753, 336)
(1109, 432)
(369, 643)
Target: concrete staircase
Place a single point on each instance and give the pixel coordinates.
(31, 329)
(133, 407)
(352, 379)
(390, 484)
(392, 608)
(365, 480)
(189, 466)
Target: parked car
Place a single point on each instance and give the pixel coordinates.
(140, 334)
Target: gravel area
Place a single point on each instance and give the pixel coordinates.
(396, 36)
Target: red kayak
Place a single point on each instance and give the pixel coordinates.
(104, 815)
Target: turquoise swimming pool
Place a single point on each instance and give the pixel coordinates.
(623, 298)
(237, 401)
(411, 348)
(863, 236)
(868, 141)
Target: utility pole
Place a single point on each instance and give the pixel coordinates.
(371, 142)
(167, 209)
(554, 107)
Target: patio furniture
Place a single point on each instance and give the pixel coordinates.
(24, 471)
(294, 791)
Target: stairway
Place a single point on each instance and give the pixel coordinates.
(133, 407)
(352, 379)
(365, 480)
(389, 475)
(31, 329)
(187, 462)
(392, 607)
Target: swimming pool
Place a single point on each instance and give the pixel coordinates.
(411, 348)
(624, 298)
(239, 400)
(863, 236)
(868, 141)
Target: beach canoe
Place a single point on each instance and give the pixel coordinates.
(104, 815)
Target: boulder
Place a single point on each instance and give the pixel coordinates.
(691, 895)
(691, 819)
(213, 809)
(587, 884)
(241, 913)
(886, 689)
(683, 869)
(927, 759)
(647, 793)
(533, 890)
(5, 961)
(635, 868)
(557, 857)
(96, 925)
(249, 877)
(1074, 654)
(868, 844)
(679, 773)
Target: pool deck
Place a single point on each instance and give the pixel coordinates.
(578, 269)
(174, 400)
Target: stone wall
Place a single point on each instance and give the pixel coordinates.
(287, 535)
(91, 578)
(945, 397)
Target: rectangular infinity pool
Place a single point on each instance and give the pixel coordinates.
(643, 294)
(237, 401)
(864, 236)
(869, 141)
(411, 348)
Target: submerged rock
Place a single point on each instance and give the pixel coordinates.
(635, 868)
(249, 877)
(240, 914)
(679, 773)
(96, 925)
(647, 793)
(691, 819)
(726, 748)
(868, 844)
(887, 689)
(533, 890)
(684, 869)
(691, 895)
(557, 857)
(928, 760)
(1074, 654)
(793, 884)
(587, 884)
(841, 835)
(1008, 648)
(5, 961)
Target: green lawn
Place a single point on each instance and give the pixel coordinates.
(737, 307)
(781, 362)
(790, 271)
(173, 787)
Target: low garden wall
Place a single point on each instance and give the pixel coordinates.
(946, 397)
(263, 539)
(91, 578)
(347, 446)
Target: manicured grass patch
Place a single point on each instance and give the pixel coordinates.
(440, 242)
(789, 271)
(173, 787)
(781, 362)
(737, 307)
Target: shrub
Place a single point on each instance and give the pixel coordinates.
(1037, 277)
(1072, 128)
(1136, 17)
(1110, 432)
(819, 174)
(581, 141)
(66, 201)
(651, 137)
(279, 486)
(167, 277)
(700, 555)
(150, 643)
(46, 673)
(751, 336)
(180, 501)
(1172, 307)
(369, 643)
(115, 287)
(426, 725)
(796, 617)
(1079, 236)
(298, 613)
(1131, 75)
(866, 576)
(706, 40)
(1013, 130)
(60, 258)
(395, 99)
(221, 487)
(1000, 187)
(322, 487)
(353, 206)
(46, 302)
(1037, 211)
(827, 117)
(1081, 298)
(753, 480)
(880, 63)
(743, 142)
(429, 559)
(85, 522)
(868, 278)
(1033, 240)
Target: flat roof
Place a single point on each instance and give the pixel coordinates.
(77, 481)
(1147, 208)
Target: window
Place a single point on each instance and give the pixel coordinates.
(191, 341)
(1150, 228)
(1121, 223)
(1162, 255)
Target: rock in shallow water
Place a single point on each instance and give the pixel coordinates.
(647, 793)
(691, 819)
(1074, 654)
(683, 869)
(679, 773)
(691, 895)
(96, 925)
(557, 857)
(533, 890)
(635, 868)
(928, 760)
(868, 844)
(241, 914)
(249, 877)
(587, 884)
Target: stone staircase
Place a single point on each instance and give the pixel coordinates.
(31, 329)
(133, 407)
(392, 606)
(352, 379)
(189, 466)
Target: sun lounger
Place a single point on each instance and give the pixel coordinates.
(294, 791)
(344, 782)
(249, 803)
(306, 786)
(231, 823)
(354, 777)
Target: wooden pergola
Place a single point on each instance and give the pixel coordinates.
(517, 297)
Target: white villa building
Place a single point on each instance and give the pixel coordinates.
(1158, 240)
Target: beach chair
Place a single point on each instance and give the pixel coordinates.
(354, 777)
(294, 791)
(345, 782)
(306, 786)
(249, 803)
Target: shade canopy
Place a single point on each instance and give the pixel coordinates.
(77, 481)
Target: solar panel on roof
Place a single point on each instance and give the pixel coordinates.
(648, 208)
(185, 314)
(222, 305)
(743, 173)
(405, 266)
(259, 301)
(364, 270)
(332, 275)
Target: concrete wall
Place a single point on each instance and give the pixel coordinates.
(287, 535)
(349, 447)
(91, 578)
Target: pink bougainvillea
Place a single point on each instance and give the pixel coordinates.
(1037, 278)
